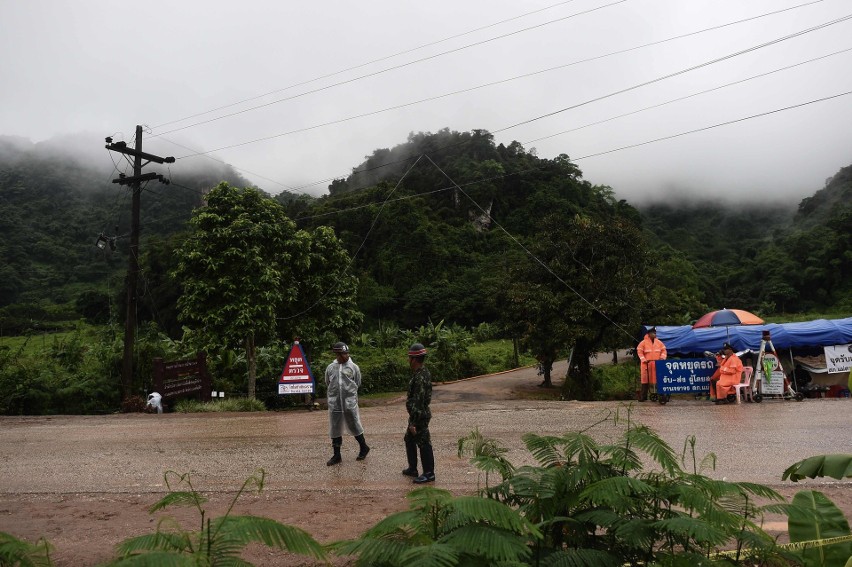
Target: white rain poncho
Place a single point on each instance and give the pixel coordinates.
(343, 381)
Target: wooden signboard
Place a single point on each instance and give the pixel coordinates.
(183, 378)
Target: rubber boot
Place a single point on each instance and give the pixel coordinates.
(336, 458)
(411, 455)
(643, 394)
(362, 454)
(428, 458)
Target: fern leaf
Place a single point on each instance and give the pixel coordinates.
(580, 558)
(651, 443)
(178, 499)
(616, 492)
(693, 529)
(397, 523)
(488, 543)
(19, 552)
(155, 542)
(250, 529)
(156, 559)
(543, 448)
(371, 551)
(434, 555)
(474, 509)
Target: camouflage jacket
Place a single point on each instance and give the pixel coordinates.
(419, 397)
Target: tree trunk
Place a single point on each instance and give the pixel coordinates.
(546, 367)
(252, 366)
(578, 383)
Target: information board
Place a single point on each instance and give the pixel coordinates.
(774, 385)
(684, 375)
(296, 377)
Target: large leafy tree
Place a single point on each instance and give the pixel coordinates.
(249, 276)
(586, 289)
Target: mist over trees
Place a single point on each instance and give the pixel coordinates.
(434, 228)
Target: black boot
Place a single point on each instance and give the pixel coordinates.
(643, 395)
(428, 458)
(335, 444)
(411, 455)
(362, 454)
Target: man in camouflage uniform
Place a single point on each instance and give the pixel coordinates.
(419, 415)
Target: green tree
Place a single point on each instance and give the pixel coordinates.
(585, 290)
(248, 276)
(238, 268)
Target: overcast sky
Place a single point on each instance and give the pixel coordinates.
(102, 67)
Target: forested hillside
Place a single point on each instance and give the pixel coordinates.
(437, 227)
(53, 206)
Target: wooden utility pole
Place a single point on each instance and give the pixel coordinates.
(131, 282)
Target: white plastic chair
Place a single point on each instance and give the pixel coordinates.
(748, 371)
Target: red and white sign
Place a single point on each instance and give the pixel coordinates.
(297, 377)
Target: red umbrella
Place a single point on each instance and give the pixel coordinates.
(726, 318)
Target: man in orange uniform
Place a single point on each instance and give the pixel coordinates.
(649, 350)
(730, 373)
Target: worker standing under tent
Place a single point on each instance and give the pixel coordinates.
(650, 350)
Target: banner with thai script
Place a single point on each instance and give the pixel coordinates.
(838, 358)
(684, 375)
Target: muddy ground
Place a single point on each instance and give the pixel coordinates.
(85, 482)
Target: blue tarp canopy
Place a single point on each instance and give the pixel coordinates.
(822, 332)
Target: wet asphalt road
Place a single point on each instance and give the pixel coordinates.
(129, 453)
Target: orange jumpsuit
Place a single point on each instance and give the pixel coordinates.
(650, 350)
(730, 373)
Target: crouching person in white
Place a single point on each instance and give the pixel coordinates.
(155, 402)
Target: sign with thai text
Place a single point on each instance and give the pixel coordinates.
(684, 375)
(182, 378)
(838, 358)
(296, 377)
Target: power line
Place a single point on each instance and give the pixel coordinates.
(378, 60)
(777, 110)
(778, 70)
(676, 73)
(705, 64)
(645, 143)
(498, 82)
(373, 74)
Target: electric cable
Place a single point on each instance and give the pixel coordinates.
(681, 72)
(498, 82)
(529, 252)
(373, 74)
(378, 60)
(634, 87)
(670, 101)
(647, 142)
(352, 258)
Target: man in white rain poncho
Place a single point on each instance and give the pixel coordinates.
(342, 380)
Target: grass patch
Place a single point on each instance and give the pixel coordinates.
(616, 381)
(230, 405)
(496, 356)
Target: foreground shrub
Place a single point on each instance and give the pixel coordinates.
(14, 551)
(597, 503)
(220, 541)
